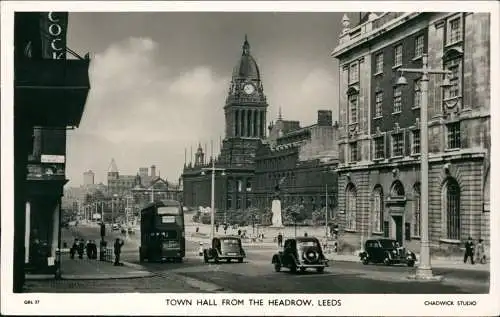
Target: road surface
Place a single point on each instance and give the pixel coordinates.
(256, 274)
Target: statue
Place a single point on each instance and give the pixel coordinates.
(277, 221)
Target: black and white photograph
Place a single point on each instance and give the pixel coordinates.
(249, 158)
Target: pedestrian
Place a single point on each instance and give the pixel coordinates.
(280, 240)
(305, 234)
(118, 250)
(88, 249)
(217, 228)
(93, 249)
(480, 254)
(469, 250)
(239, 232)
(81, 247)
(74, 249)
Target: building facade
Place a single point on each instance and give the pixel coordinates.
(245, 122)
(379, 136)
(300, 159)
(50, 92)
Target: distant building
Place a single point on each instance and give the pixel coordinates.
(379, 140)
(88, 178)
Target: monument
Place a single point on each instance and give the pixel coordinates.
(277, 221)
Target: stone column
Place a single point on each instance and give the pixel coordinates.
(252, 123)
(263, 123)
(234, 124)
(245, 123)
(55, 230)
(240, 122)
(27, 233)
(258, 123)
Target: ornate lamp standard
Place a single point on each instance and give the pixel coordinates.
(212, 169)
(424, 270)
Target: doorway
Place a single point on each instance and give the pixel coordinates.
(398, 229)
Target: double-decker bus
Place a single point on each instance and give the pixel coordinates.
(162, 232)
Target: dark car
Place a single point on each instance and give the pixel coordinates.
(300, 254)
(224, 248)
(387, 251)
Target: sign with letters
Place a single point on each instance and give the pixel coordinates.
(168, 219)
(53, 28)
(46, 158)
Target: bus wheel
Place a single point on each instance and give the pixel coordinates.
(141, 258)
(240, 260)
(205, 258)
(178, 260)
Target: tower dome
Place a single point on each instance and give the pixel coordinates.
(247, 66)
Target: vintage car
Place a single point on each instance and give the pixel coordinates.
(387, 251)
(224, 248)
(300, 253)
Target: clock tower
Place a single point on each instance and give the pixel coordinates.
(245, 112)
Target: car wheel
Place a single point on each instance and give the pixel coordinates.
(293, 269)
(320, 269)
(228, 260)
(205, 258)
(387, 261)
(141, 258)
(240, 260)
(277, 267)
(410, 263)
(216, 260)
(365, 261)
(302, 269)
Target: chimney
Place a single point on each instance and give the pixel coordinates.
(153, 171)
(325, 117)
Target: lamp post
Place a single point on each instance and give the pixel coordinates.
(424, 270)
(212, 169)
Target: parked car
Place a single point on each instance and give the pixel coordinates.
(115, 227)
(300, 253)
(224, 248)
(387, 251)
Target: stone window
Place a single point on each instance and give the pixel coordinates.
(351, 207)
(415, 142)
(416, 210)
(353, 149)
(417, 94)
(396, 101)
(353, 108)
(379, 63)
(378, 209)
(397, 144)
(379, 147)
(379, 98)
(419, 46)
(249, 185)
(354, 73)
(248, 203)
(397, 190)
(452, 212)
(398, 55)
(454, 30)
(240, 185)
(238, 203)
(453, 135)
(455, 66)
(229, 202)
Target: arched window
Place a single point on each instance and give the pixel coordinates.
(452, 205)
(353, 104)
(416, 210)
(378, 209)
(397, 190)
(351, 207)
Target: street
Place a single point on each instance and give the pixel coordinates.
(256, 274)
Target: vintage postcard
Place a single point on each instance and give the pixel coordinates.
(249, 158)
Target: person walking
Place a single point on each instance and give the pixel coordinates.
(480, 254)
(81, 247)
(118, 250)
(88, 249)
(280, 240)
(469, 250)
(74, 249)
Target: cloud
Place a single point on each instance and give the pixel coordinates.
(141, 113)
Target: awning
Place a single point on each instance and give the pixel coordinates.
(52, 93)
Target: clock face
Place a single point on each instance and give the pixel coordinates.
(249, 88)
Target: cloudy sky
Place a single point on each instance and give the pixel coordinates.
(159, 81)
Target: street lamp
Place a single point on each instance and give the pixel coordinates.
(212, 207)
(424, 270)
